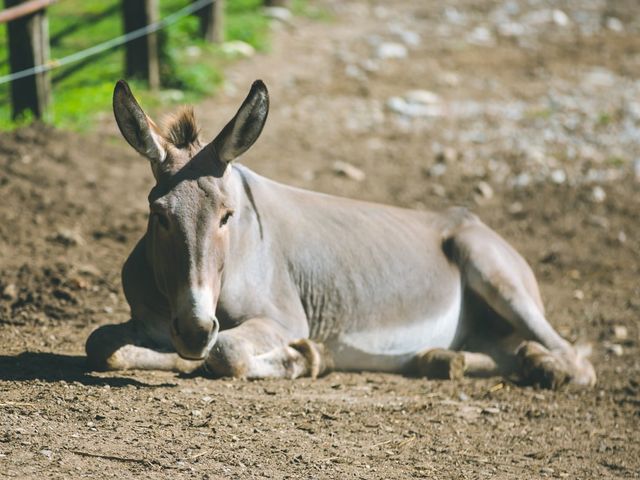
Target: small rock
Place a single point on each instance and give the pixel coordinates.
(614, 24)
(353, 71)
(68, 237)
(172, 95)
(481, 36)
(622, 237)
(447, 155)
(424, 97)
(614, 349)
(490, 410)
(522, 180)
(578, 294)
(620, 332)
(238, 48)
(437, 170)
(463, 397)
(413, 110)
(370, 66)
(349, 171)
(599, 78)
(484, 191)
(10, 292)
(560, 18)
(196, 413)
(47, 453)
(281, 14)
(598, 194)
(410, 38)
(515, 208)
(598, 221)
(558, 176)
(387, 50)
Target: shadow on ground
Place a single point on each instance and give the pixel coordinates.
(55, 367)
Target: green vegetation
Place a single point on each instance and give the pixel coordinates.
(190, 67)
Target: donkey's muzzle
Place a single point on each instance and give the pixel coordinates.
(193, 338)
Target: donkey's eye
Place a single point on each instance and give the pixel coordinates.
(161, 219)
(225, 218)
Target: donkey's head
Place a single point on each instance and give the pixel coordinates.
(191, 208)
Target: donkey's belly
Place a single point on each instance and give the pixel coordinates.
(388, 346)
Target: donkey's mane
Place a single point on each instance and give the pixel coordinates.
(181, 128)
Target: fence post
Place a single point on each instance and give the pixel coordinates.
(212, 22)
(28, 39)
(141, 55)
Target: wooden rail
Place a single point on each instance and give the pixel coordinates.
(24, 9)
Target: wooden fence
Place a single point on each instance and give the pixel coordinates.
(28, 42)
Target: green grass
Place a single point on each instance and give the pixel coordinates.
(190, 68)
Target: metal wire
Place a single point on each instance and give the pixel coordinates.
(114, 42)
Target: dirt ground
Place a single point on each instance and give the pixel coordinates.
(527, 113)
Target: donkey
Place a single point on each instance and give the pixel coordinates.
(238, 275)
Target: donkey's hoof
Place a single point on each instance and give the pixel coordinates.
(316, 355)
(541, 367)
(439, 363)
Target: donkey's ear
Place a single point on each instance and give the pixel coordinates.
(245, 127)
(138, 129)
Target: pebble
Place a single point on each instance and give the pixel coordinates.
(491, 410)
(560, 18)
(387, 50)
(484, 190)
(614, 348)
(47, 453)
(515, 208)
(412, 109)
(424, 97)
(598, 194)
(578, 294)
(281, 14)
(10, 292)
(620, 332)
(238, 48)
(437, 170)
(558, 176)
(349, 171)
(614, 24)
(522, 180)
(481, 36)
(446, 155)
(68, 237)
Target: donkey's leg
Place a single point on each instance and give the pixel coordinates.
(261, 348)
(440, 363)
(494, 271)
(118, 347)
